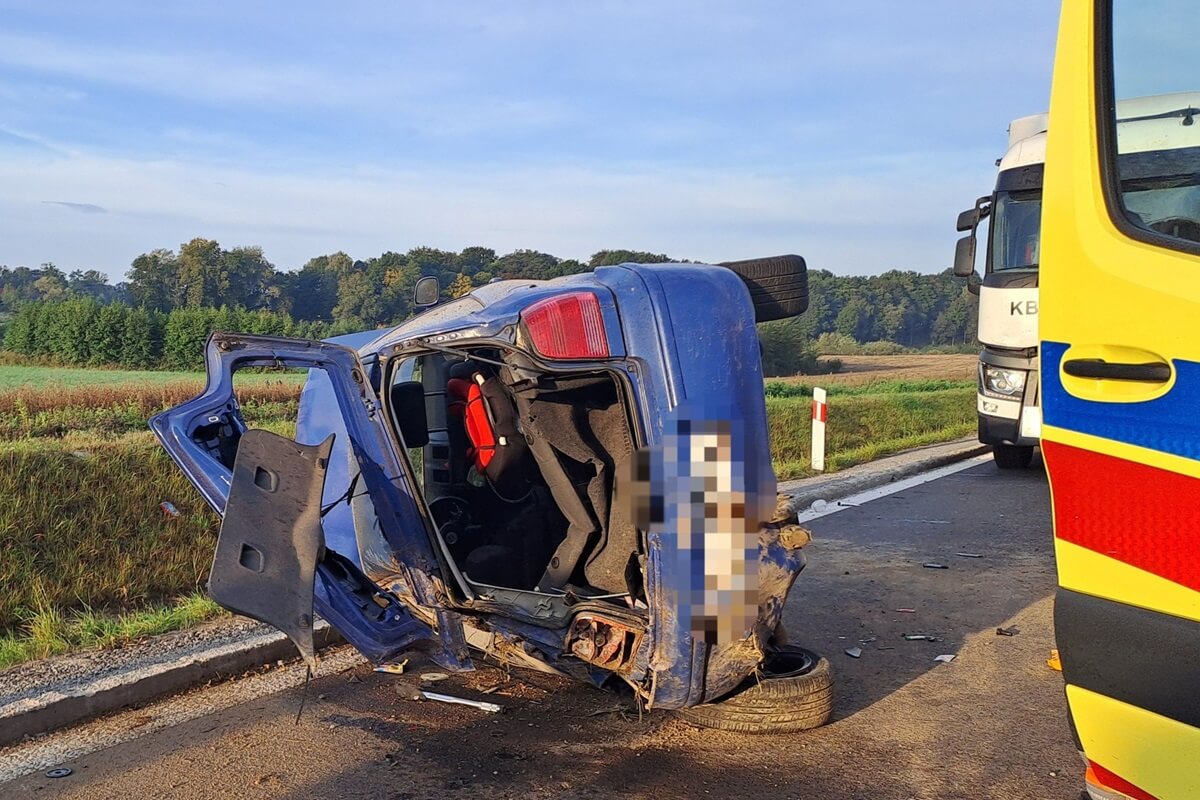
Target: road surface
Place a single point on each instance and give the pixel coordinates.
(991, 724)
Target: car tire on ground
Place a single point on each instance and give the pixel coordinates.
(793, 693)
(1011, 456)
(778, 285)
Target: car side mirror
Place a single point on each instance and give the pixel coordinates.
(964, 256)
(408, 410)
(427, 292)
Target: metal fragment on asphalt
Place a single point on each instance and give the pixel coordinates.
(934, 565)
(921, 637)
(854, 652)
(970, 555)
(1012, 630)
(945, 659)
(461, 701)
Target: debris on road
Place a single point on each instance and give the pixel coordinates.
(393, 669)
(906, 611)
(934, 565)
(462, 701)
(1054, 662)
(854, 652)
(433, 677)
(970, 555)
(1012, 630)
(59, 772)
(921, 637)
(169, 509)
(945, 659)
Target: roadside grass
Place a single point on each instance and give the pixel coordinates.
(49, 631)
(863, 427)
(90, 559)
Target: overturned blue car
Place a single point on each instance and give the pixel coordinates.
(570, 475)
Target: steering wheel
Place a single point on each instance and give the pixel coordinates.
(451, 515)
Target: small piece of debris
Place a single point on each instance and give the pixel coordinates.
(934, 565)
(885, 648)
(970, 555)
(868, 640)
(1054, 662)
(462, 701)
(945, 659)
(854, 652)
(433, 677)
(1010, 631)
(921, 637)
(906, 611)
(59, 772)
(393, 669)
(169, 509)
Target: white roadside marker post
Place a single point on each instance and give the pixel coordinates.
(819, 412)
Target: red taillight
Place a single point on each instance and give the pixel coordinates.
(1101, 778)
(567, 326)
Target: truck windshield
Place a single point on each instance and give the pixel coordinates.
(1016, 225)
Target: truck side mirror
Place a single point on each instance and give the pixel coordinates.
(964, 256)
(426, 292)
(974, 282)
(969, 220)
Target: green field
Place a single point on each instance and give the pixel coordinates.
(17, 377)
(91, 559)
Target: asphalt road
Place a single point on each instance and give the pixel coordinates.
(991, 724)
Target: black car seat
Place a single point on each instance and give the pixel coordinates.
(497, 448)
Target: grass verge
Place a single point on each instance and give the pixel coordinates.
(49, 631)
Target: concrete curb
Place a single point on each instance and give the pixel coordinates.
(55, 708)
(803, 493)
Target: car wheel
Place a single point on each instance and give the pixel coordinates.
(794, 692)
(778, 286)
(1011, 456)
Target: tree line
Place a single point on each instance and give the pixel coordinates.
(173, 299)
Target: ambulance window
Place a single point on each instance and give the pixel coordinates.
(1151, 124)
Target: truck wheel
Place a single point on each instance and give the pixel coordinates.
(793, 693)
(778, 286)
(1011, 456)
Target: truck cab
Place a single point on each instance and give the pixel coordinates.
(1007, 400)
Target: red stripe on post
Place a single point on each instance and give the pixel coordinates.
(819, 411)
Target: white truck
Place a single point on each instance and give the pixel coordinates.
(1009, 408)
(1008, 400)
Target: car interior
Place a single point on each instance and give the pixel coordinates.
(520, 468)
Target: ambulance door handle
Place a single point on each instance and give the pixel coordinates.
(1098, 368)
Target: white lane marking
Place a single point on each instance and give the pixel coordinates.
(74, 743)
(823, 508)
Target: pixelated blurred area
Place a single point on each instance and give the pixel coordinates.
(693, 492)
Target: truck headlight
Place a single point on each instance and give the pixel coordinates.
(1004, 382)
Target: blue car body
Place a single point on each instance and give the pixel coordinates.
(683, 352)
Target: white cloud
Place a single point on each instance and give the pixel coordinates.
(893, 218)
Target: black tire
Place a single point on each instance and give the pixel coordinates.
(1011, 456)
(794, 693)
(778, 285)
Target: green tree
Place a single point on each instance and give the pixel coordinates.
(141, 342)
(460, 286)
(106, 335)
(609, 258)
(154, 280)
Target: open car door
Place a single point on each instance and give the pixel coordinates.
(375, 575)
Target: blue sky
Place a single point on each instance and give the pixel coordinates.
(851, 133)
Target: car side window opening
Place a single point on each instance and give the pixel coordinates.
(1154, 140)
